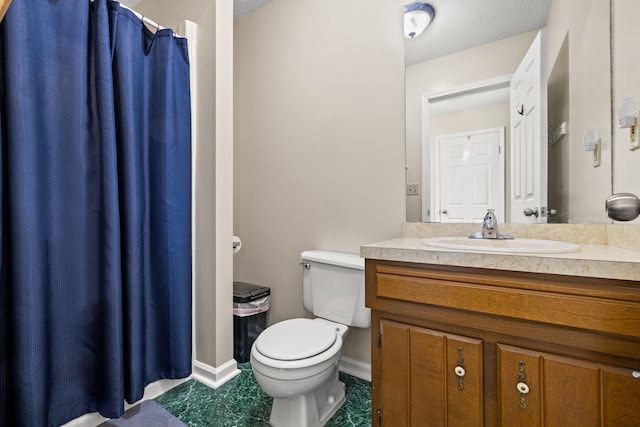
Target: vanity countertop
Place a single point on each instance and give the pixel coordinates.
(593, 260)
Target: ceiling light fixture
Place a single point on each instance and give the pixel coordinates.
(417, 17)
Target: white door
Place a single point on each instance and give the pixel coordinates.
(471, 175)
(529, 137)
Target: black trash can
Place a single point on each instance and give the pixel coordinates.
(250, 307)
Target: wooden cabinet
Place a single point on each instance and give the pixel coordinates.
(472, 347)
(537, 388)
(430, 378)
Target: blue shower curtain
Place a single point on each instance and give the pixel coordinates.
(95, 186)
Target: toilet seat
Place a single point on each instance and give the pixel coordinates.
(295, 339)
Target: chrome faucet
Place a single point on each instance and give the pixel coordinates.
(490, 228)
(490, 225)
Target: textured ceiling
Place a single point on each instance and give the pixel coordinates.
(242, 8)
(462, 24)
(458, 24)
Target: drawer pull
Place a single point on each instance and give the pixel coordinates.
(523, 388)
(459, 370)
(635, 374)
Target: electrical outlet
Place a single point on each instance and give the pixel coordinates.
(413, 189)
(633, 137)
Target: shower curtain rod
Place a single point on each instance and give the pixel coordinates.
(147, 20)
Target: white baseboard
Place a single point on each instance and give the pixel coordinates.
(87, 420)
(151, 391)
(215, 377)
(355, 368)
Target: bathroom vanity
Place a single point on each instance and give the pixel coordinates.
(466, 338)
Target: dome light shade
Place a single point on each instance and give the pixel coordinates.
(417, 17)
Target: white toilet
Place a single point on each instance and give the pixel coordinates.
(296, 361)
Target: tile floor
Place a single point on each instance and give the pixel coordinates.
(241, 403)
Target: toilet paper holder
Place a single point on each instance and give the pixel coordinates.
(237, 244)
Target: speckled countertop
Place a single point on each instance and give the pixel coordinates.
(606, 251)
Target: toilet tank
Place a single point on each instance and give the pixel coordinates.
(333, 287)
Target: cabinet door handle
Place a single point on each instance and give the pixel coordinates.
(459, 370)
(523, 388)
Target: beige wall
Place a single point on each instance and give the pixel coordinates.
(626, 78)
(491, 116)
(213, 179)
(319, 140)
(4, 5)
(447, 73)
(582, 26)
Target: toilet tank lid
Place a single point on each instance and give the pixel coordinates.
(341, 259)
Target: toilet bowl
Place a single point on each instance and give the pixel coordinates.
(296, 361)
(305, 387)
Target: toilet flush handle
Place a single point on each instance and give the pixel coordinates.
(306, 265)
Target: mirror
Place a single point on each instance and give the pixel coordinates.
(439, 103)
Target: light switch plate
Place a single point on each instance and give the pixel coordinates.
(413, 189)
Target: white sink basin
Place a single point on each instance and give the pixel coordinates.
(494, 245)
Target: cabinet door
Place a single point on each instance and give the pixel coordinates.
(621, 397)
(394, 384)
(536, 389)
(519, 406)
(429, 378)
(464, 378)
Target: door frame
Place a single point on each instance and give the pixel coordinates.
(500, 210)
(431, 212)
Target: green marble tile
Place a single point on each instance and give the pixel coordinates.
(241, 403)
(356, 411)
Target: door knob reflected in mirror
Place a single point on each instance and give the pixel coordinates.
(535, 212)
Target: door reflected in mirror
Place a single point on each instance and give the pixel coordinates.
(467, 138)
